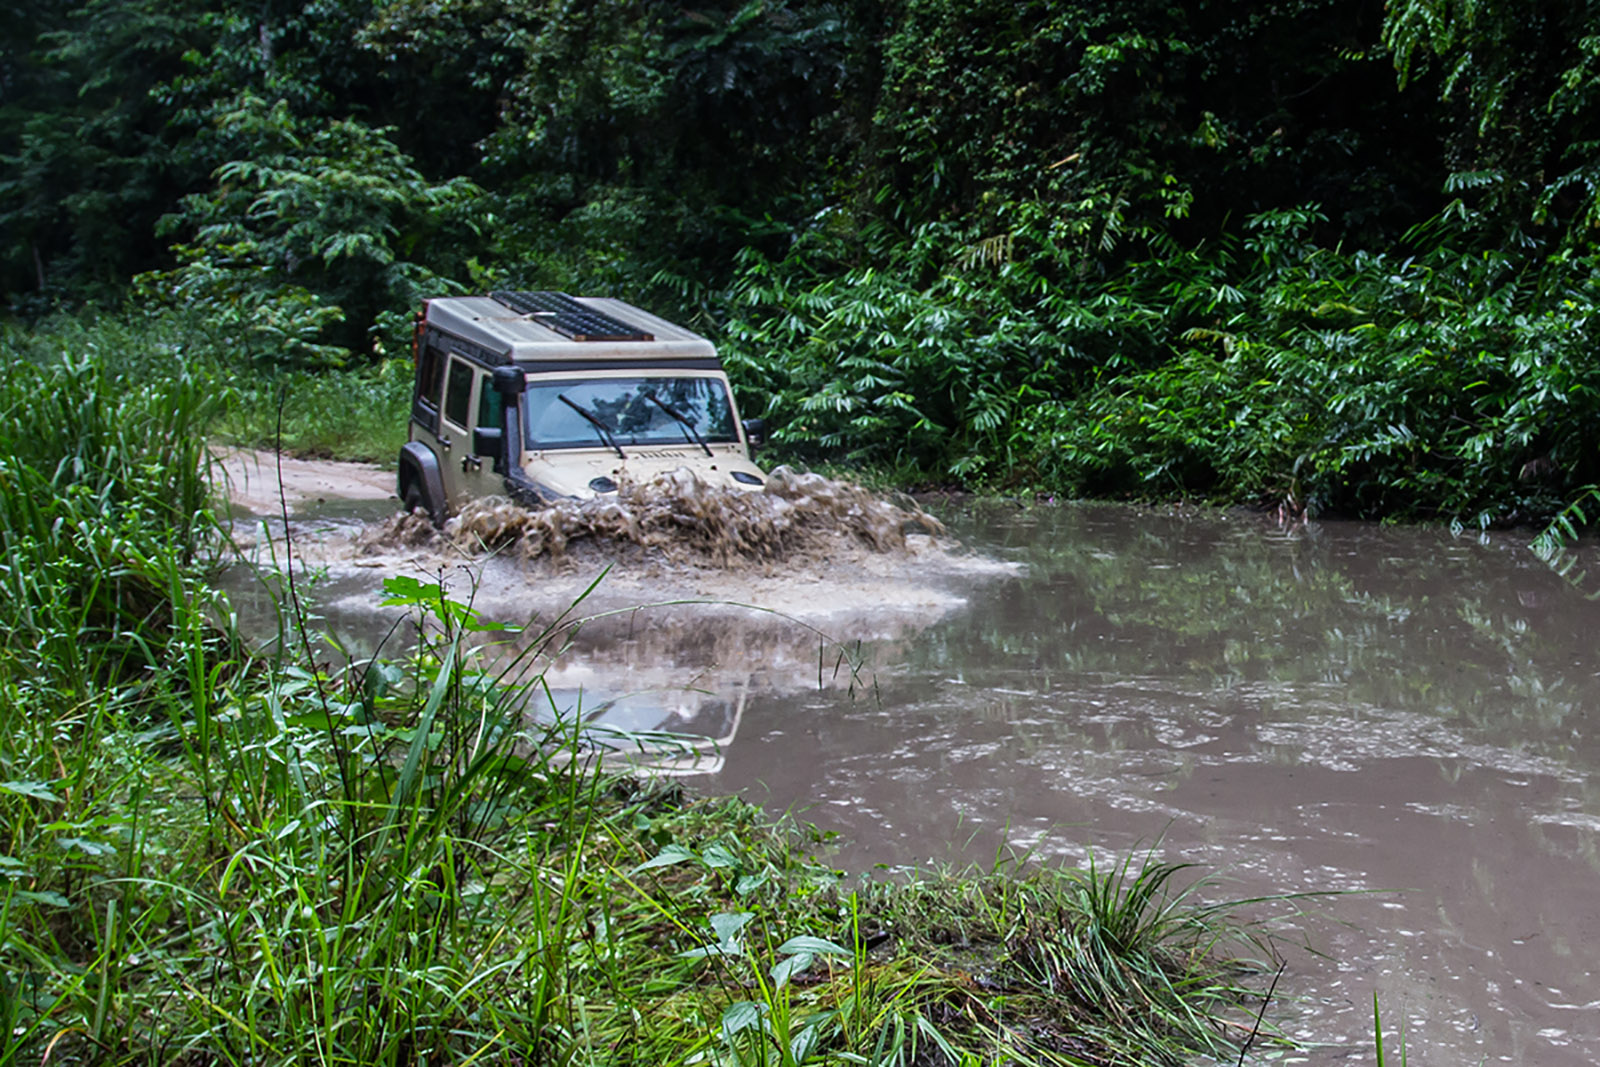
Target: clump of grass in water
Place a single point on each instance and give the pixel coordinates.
(679, 515)
(1049, 966)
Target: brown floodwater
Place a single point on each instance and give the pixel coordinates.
(1400, 717)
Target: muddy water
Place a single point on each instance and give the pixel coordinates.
(1403, 716)
(1400, 714)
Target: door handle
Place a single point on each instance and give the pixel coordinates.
(471, 463)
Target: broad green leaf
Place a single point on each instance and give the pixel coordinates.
(820, 945)
(727, 924)
(405, 591)
(740, 1016)
(36, 790)
(749, 883)
(787, 968)
(718, 857)
(669, 855)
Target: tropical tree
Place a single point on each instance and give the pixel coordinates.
(319, 240)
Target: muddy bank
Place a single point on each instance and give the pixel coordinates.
(263, 483)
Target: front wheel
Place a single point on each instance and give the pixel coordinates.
(415, 500)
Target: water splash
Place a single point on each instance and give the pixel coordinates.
(678, 515)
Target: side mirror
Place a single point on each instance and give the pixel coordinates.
(755, 432)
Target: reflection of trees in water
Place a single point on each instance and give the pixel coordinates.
(1338, 616)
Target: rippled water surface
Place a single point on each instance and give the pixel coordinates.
(1395, 712)
(1400, 714)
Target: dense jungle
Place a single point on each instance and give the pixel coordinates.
(1338, 258)
(1328, 260)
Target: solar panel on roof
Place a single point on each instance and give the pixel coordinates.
(566, 316)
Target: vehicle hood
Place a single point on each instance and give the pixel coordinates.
(571, 472)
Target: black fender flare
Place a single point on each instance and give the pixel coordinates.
(528, 493)
(419, 464)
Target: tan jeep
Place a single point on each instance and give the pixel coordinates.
(541, 396)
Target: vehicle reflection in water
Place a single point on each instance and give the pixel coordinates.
(660, 689)
(665, 733)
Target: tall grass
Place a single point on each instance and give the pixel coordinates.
(358, 414)
(211, 856)
(350, 415)
(103, 496)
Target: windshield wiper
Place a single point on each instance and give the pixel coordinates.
(683, 420)
(593, 420)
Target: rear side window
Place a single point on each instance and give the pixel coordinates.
(458, 394)
(430, 376)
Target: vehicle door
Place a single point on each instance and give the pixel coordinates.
(457, 465)
(426, 399)
(482, 472)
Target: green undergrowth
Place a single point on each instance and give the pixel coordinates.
(255, 862)
(358, 413)
(1435, 380)
(213, 856)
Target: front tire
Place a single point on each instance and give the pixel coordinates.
(415, 499)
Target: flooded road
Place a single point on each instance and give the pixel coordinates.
(1400, 715)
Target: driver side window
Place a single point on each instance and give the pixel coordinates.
(489, 405)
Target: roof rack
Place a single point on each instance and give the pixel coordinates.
(566, 316)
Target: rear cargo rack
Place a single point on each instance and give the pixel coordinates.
(566, 316)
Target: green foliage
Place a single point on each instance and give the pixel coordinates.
(356, 415)
(1110, 127)
(1451, 383)
(1057, 245)
(1447, 384)
(87, 161)
(886, 371)
(104, 497)
(642, 138)
(318, 225)
(1525, 79)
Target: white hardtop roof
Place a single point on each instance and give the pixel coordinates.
(496, 327)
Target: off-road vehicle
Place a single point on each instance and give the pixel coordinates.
(541, 396)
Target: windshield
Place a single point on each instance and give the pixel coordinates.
(558, 414)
